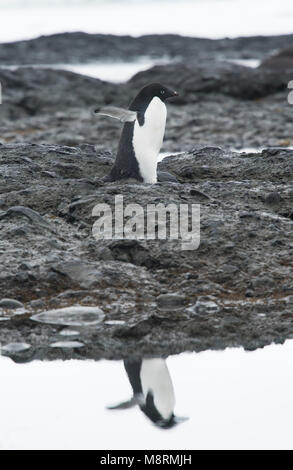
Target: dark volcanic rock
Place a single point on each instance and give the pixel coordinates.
(158, 299)
(15, 348)
(213, 77)
(233, 290)
(280, 62)
(268, 165)
(71, 316)
(38, 90)
(170, 301)
(82, 47)
(218, 106)
(10, 304)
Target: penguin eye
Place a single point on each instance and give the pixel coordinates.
(162, 92)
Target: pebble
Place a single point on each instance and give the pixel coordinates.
(37, 303)
(67, 344)
(10, 303)
(229, 268)
(71, 316)
(14, 348)
(204, 306)
(68, 332)
(273, 198)
(170, 301)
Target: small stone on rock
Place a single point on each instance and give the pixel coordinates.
(170, 301)
(67, 344)
(10, 303)
(14, 348)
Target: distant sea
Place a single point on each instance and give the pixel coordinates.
(24, 19)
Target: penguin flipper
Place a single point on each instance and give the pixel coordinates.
(135, 400)
(123, 115)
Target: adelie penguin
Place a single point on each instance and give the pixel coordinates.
(152, 391)
(142, 134)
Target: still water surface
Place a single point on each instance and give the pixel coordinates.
(115, 72)
(233, 400)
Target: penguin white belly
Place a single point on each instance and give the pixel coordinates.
(155, 378)
(148, 138)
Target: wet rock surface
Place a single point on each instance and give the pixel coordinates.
(154, 298)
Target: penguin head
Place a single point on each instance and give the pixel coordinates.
(171, 422)
(155, 415)
(156, 89)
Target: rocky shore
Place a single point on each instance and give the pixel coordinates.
(80, 47)
(152, 298)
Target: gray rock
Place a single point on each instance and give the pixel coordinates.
(229, 268)
(10, 304)
(68, 332)
(71, 316)
(38, 303)
(80, 47)
(280, 62)
(67, 345)
(33, 216)
(164, 176)
(205, 306)
(263, 281)
(273, 198)
(85, 274)
(226, 78)
(15, 348)
(217, 111)
(170, 301)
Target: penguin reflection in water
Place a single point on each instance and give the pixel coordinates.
(152, 391)
(142, 134)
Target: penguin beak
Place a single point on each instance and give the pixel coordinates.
(171, 94)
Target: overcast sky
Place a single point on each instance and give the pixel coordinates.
(22, 19)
